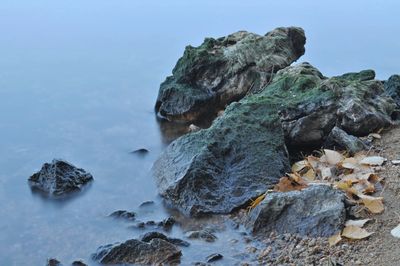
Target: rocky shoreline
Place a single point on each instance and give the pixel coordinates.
(262, 108)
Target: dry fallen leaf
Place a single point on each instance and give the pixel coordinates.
(355, 232)
(396, 231)
(290, 183)
(373, 204)
(300, 165)
(310, 175)
(359, 223)
(333, 157)
(326, 173)
(373, 160)
(333, 240)
(375, 135)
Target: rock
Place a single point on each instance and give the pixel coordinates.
(318, 210)
(146, 204)
(353, 102)
(123, 214)
(53, 262)
(243, 153)
(176, 241)
(204, 234)
(220, 71)
(58, 178)
(167, 223)
(133, 251)
(214, 257)
(340, 139)
(140, 152)
(392, 88)
(78, 263)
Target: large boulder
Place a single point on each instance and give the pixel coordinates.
(243, 153)
(59, 178)
(219, 71)
(318, 210)
(155, 252)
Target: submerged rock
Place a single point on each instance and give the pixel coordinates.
(314, 211)
(58, 178)
(176, 241)
(223, 70)
(53, 262)
(214, 257)
(205, 234)
(133, 251)
(339, 139)
(123, 214)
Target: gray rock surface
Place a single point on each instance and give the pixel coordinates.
(318, 210)
(176, 241)
(243, 153)
(58, 178)
(219, 71)
(339, 139)
(392, 87)
(133, 251)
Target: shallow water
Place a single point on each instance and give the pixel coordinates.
(78, 81)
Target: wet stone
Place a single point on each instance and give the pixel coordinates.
(123, 215)
(59, 178)
(214, 257)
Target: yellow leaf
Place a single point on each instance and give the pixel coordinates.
(374, 205)
(333, 157)
(355, 232)
(310, 175)
(300, 165)
(333, 240)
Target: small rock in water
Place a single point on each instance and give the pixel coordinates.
(146, 204)
(140, 152)
(53, 262)
(123, 214)
(167, 223)
(133, 251)
(78, 263)
(205, 235)
(395, 162)
(176, 241)
(59, 178)
(214, 257)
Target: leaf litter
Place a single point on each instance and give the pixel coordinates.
(356, 176)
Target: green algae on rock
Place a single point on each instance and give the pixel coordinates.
(220, 71)
(243, 153)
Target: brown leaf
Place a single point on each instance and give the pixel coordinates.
(355, 232)
(333, 240)
(290, 183)
(373, 204)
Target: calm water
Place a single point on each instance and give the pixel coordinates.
(78, 81)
